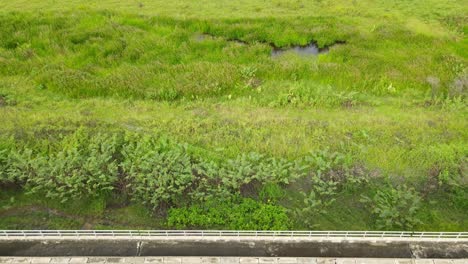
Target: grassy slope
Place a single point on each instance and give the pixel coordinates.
(139, 65)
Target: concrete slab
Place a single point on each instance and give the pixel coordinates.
(325, 261)
(345, 261)
(442, 261)
(21, 260)
(229, 260)
(211, 260)
(248, 260)
(172, 260)
(233, 246)
(404, 261)
(307, 260)
(115, 260)
(424, 261)
(220, 260)
(135, 260)
(267, 260)
(40, 260)
(80, 260)
(192, 260)
(287, 260)
(374, 261)
(96, 260)
(154, 260)
(60, 260)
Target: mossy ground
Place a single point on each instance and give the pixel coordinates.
(393, 96)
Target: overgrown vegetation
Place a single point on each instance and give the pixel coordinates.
(394, 208)
(174, 114)
(251, 191)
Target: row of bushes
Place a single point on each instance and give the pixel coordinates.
(198, 191)
(150, 169)
(162, 174)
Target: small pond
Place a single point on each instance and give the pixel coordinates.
(311, 49)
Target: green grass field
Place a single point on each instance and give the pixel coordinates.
(174, 114)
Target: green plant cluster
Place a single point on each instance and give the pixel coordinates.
(395, 208)
(381, 107)
(152, 170)
(158, 171)
(246, 214)
(245, 192)
(82, 166)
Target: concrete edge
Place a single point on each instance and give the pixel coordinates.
(233, 247)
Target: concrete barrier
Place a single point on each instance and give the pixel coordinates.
(232, 246)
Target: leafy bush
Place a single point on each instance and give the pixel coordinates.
(253, 166)
(15, 162)
(332, 166)
(246, 214)
(325, 173)
(4, 160)
(314, 199)
(86, 166)
(459, 196)
(394, 208)
(16, 165)
(210, 182)
(157, 171)
(160, 171)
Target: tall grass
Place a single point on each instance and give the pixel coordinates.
(384, 108)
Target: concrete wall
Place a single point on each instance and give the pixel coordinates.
(233, 247)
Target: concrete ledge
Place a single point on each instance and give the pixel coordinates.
(222, 260)
(228, 246)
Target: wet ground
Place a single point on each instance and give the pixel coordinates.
(311, 49)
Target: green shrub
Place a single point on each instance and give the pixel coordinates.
(85, 166)
(253, 166)
(16, 165)
(326, 173)
(157, 171)
(394, 208)
(209, 183)
(4, 160)
(246, 214)
(459, 196)
(160, 171)
(314, 198)
(327, 165)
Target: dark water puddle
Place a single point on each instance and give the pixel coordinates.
(311, 49)
(307, 50)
